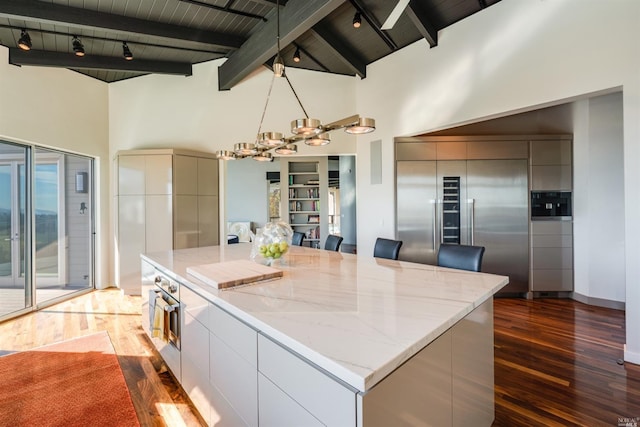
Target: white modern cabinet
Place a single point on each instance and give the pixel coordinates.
(165, 199)
(195, 350)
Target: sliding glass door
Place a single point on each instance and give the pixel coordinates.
(46, 227)
(14, 294)
(63, 224)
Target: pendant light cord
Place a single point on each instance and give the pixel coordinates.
(266, 104)
(264, 111)
(296, 95)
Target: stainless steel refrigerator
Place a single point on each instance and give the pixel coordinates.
(470, 202)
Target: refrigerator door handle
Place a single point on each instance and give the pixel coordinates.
(441, 221)
(434, 221)
(472, 230)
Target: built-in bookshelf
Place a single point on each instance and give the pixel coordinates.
(306, 198)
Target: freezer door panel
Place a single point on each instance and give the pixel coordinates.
(416, 195)
(497, 205)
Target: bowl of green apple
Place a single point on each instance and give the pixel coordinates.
(272, 242)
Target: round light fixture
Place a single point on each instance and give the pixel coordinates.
(263, 157)
(363, 125)
(245, 149)
(225, 155)
(306, 127)
(270, 139)
(287, 150)
(318, 140)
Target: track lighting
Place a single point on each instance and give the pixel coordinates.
(24, 42)
(296, 55)
(126, 52)
(78, 47)
(357, 20)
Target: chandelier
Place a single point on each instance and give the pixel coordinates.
(309, 130)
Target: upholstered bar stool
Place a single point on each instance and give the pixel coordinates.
(333, 242)
(462, 257)
(387, 248)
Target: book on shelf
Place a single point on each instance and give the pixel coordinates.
(313, 233)
(313, 219)
(313, 182)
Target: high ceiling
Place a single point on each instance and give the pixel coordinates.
(169, 36)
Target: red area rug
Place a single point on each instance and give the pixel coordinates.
(73, 383)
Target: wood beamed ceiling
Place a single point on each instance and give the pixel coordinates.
(170, 36)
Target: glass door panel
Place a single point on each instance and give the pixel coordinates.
(14, 294)
(63, 224)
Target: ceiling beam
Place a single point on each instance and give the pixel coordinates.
(51, 13)
(350, 58)
(41, 58)
(296, 18)
(269, 2)
(226, 9)
(415, 11)
(375, 25)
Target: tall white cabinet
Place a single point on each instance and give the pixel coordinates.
(165, 199)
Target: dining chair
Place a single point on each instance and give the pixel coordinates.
(297, 238)
(333, 242)
(387, 248)
(462, 257)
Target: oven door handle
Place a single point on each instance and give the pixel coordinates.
(169, 308)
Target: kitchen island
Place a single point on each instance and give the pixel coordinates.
(339, 340)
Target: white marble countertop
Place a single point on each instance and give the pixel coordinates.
(356, 317)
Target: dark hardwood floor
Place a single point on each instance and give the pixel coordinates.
(557, 363)
(556, 360)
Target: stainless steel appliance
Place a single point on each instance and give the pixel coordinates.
(552, 205)
(161, 314)
(472, 202)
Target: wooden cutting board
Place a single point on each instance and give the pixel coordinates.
(225, 275)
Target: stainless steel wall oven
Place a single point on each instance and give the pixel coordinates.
(161, 314)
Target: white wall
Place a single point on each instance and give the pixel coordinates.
(515, 56)
(159, 111)
(61, 109)
(599, 198)
(248, 190)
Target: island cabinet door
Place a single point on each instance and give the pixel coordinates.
(277, 409)
(288, 380)
(233, 369)
(195, 350)
(418, 393)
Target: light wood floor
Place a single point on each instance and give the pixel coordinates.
(158, 399)
(555, 360)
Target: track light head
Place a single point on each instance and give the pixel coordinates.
(78, 47)
(296, 55)
(357, 20)
(126, 52)
(24, 42)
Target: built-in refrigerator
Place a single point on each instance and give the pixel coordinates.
(469, 202)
